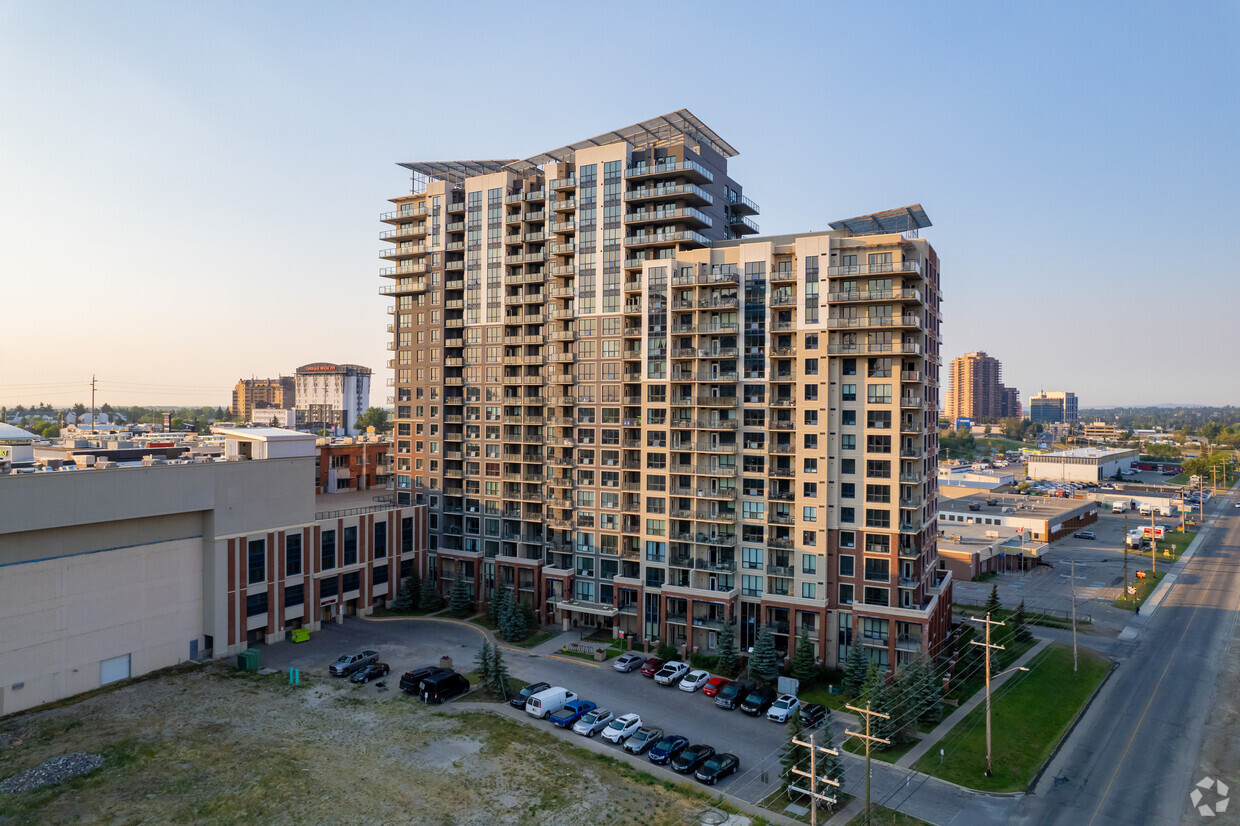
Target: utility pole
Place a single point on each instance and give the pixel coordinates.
(868, 740)
(92, 402)
(815, 795)
(987, 645)
(1153, 546)
(1073, 568)
(1125, 557)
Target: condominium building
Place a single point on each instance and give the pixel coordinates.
(975, 390)
(332, 397)
(258, 394)
(1055, 406)
(617, 400)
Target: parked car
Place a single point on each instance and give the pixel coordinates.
(672, 672)
(548, 700)
(348, 663)
(717, 767)
(783, 708)
(688, 760)
(642, 740)
(622, 728)
(572, 711)
(592, 722)
(812, 715)
(526, 693)
(713, 685)
(411, 681)
(651, 666)
(730, 695)
(694, 680)
(628, 662)
(668, 748)
(443, 687)
(370, 672)
(1085, 535)
(757, 701)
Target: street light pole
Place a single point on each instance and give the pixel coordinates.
(986, 645)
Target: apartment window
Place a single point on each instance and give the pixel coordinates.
(848, 490)
(380, 576)
(848, 539)
(809, 514)
(329, 587)
(656, 527)
(811, 465)
(809, 538)
(848, 392)
(256, 604)
(350, 545)
(811, 367)
(846, 594)
(292, 554)
(656, 551)
(327, 550)
(406, 534)
(880, 494)
(878, 468)
(753, 510)
(809, 564)
(380, 539)
(874, 629)
(848, 441)
(811, 341)
(811, 392)
(751, 558)
(848, 565)
(848, 465)
(810, 489)
(351, 581)
(808, 590)
(877, 519)
(751, 586)
(294, 595)
(257, 560)
(877, 570)
(848, 417)
(848, 515)
(878, 393)
(655, 577)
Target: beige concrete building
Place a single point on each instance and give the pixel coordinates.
(262, 394)
(613, 398)
(975, 390)
(111, 573)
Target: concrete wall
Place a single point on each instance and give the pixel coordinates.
(62, 617)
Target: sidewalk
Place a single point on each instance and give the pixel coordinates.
(940, 731)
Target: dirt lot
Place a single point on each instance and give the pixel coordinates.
(213, 745)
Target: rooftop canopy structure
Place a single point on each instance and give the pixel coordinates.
(903, 219)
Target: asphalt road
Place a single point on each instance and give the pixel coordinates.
(408, 644)
(1136, 754)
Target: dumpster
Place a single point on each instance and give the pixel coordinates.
(249, 660)
(299, 635)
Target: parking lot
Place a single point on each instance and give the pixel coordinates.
(1099, 574)
(405, 645)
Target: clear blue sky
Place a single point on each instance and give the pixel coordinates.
(189, 192)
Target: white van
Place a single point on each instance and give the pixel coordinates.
(1146, 509)
(545, 702)
(1119, 507)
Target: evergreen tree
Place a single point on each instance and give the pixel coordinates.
(764, 664)
(803, 667)
(829, 764)
(727, 650)
(407, 599)
(968, 655)
(415, 587)
(512, 625)
(884, 699)
(992, 602)
(854, 669)
(428, 596)
(499, 675)
(1020, 624)
(872, 682)
(531, 616)
(484, 662)
(458, 597)
(501, 594)
(929, 694)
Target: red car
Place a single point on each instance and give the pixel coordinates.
(652, 665)
(713, 685)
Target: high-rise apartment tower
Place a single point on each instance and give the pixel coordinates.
(639, 417)
(976, 391)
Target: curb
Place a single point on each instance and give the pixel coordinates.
(1033, 784)
(488, 635)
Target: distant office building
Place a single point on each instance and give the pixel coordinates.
(332, 397)
(975, 390)
(1101, 432)
(252, 394)
(1051, 407)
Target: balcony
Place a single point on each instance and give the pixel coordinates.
(658, 238)
(682, 192)
(781, 570)
(687, 169)
(858, 296)
(875, 269)
(686, 216)
(404, 214)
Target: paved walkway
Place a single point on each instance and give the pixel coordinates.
(940, 731)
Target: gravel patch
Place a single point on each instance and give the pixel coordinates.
(56, 770)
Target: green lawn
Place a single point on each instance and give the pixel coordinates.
(882, 816)
(1030, 714)
(821, 695)
(962, 690)
(535, 639)
(1144, 587)
(485, 622)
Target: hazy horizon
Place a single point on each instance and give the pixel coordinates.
(190, 193)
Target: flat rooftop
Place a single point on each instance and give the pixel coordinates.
(1043, 506)
(1085, 453)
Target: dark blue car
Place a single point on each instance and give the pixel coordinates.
(667, 748)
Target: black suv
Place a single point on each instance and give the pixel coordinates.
(758, 701)
(411, 681)
(526, 693)
(730, 695)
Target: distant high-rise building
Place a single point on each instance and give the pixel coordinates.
(257, 394)
(641, 419)
(975, 390)
(1055, 406)
(332, 397)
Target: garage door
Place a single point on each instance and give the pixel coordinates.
(114, 669)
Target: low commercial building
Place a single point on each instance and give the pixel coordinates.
(1039, 518)
(955, 482)
(1086, 464)
(1101, 432)
(107, 573)
(970, 550)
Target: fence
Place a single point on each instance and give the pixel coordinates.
(1031, 613)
